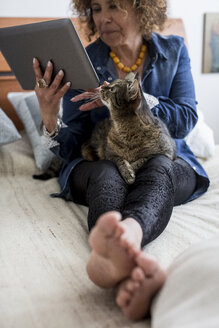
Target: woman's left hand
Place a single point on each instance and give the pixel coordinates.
(93, 95)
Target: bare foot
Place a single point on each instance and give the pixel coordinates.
(115, 245)
(136, 293)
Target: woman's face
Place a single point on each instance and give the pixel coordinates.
(114, 26)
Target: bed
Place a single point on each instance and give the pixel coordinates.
(43, 240)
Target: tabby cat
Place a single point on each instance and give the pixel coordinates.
(132, 134)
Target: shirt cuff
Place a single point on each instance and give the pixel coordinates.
(51, 142)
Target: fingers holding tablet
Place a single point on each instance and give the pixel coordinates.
(44, 80)
(55, 85)
(49, 92)
(37, 70)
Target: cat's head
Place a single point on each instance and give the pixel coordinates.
(122, 95)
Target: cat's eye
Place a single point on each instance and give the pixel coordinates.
(108, 88)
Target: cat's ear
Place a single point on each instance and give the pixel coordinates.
(137, 77)
(133, 90)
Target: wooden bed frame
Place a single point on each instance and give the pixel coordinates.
(8, 82)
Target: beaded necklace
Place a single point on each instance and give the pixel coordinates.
(133, 67)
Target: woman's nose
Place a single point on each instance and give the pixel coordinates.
(106, 16)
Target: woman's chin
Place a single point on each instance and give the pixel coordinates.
(111, 39)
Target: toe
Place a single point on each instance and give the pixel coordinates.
(107, 226)
(132, 285)
(131, 248)
(138, 274)
(93, 236)
(108, 223)
(119, 230)
(147, 263)
(123, 298)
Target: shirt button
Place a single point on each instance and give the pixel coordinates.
(98, 68)
(110, 78)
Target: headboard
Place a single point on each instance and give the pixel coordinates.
(8, 82)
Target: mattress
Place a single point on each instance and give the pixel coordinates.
(44, 248)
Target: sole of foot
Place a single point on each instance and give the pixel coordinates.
(115, 246)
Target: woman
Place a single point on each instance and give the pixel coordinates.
(129, 216)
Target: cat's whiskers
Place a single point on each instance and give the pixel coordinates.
(93, 96)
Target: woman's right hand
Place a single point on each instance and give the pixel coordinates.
(93, 96)
(50, 96)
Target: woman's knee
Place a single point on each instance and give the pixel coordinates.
(104, 170)
(160, 165)
(177, 175)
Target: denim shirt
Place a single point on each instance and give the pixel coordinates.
(166, 76)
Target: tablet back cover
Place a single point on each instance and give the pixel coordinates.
(55, 40)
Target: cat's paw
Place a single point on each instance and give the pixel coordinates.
(127, 172)
(129, 178)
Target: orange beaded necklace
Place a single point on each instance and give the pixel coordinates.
(133, 67)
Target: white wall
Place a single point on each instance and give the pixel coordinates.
(34, 8)
(191, 11)
(207, 85)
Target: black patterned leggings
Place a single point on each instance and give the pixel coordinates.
(160, 184)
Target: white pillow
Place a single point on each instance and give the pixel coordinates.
(190, 296)
(27, 107)
(8, 132)
(201, 139)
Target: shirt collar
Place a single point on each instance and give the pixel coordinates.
(100, 62)
(156, 48)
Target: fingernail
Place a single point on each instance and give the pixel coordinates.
(68, 84)
(61, 72)
(49, 63)
(34, 60)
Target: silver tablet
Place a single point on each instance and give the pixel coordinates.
(55, 40)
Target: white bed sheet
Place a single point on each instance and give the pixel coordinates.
(43, 247)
